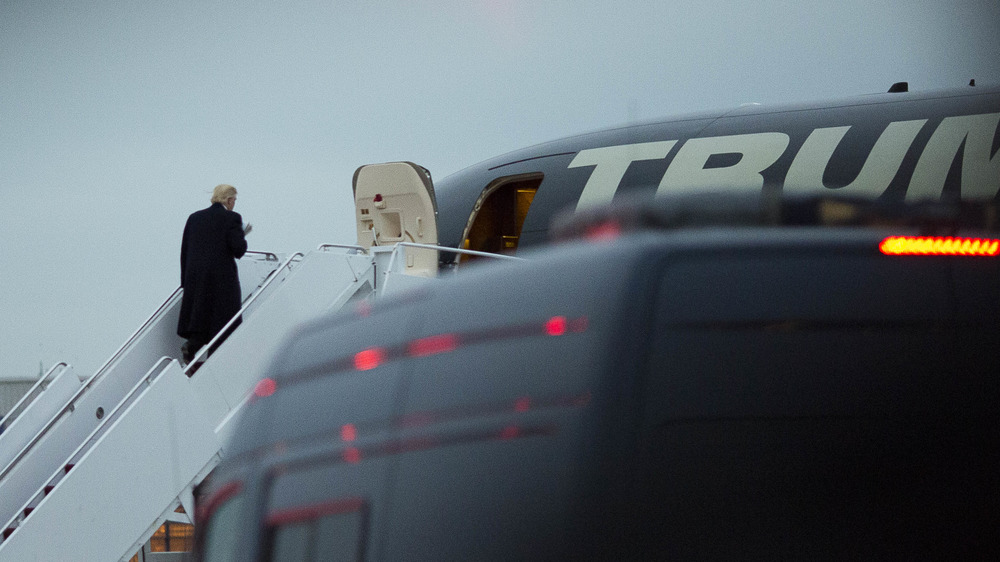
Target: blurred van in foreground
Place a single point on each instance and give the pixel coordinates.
(806, 379)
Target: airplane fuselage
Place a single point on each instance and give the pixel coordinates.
(939, 145)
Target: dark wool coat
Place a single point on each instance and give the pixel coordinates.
(213, 241)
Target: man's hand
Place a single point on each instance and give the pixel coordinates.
(247, 229)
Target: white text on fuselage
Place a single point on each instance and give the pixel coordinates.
(687, 172)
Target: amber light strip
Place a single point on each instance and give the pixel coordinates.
(939, 246)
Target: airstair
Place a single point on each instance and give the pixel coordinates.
(91, 467)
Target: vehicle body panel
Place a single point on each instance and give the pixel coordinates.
(712, 393)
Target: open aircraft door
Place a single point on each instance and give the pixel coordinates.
(394, 202)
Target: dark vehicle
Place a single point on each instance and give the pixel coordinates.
(818, 381)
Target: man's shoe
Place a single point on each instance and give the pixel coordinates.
(186, 353)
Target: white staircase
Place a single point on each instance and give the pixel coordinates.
(90, 469)
(110, 459)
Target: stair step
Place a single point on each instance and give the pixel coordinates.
(7, 532)
(69, 467)
(48, 489)
(28, 510)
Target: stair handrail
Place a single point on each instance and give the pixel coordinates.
(188, 370)
(28, 397)
(71, 403)
(121, 350)
(395, 251)
(268, 256)
(20, 515)
(360, 249)
(109, 417)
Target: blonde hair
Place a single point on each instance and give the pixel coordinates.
(223, 192)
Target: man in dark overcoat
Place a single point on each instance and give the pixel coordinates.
(213, 240)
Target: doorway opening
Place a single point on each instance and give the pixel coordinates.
(496, 220)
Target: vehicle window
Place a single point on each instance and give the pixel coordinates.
(318, 508)
(292, 542)
(338, 538)
(222, 535)
(772, 335)
(795, 337)
(813, 285)
(794, 403)
(322, 533)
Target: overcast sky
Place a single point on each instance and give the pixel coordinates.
(118, 118)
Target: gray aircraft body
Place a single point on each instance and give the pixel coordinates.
(900, 146)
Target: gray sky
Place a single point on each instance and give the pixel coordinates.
(118, 118)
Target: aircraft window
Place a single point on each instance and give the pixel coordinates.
(500, 211)
(222, 535)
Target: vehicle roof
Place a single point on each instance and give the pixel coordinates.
(594, 281)
(570, 278)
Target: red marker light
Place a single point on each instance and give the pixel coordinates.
(369, 358)
(265, 388)
(432, 345)
(510, 432)
(522, 404)
(939, 246)
(348, 432)
(351, 455)
(556, 326)
(603, 232)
